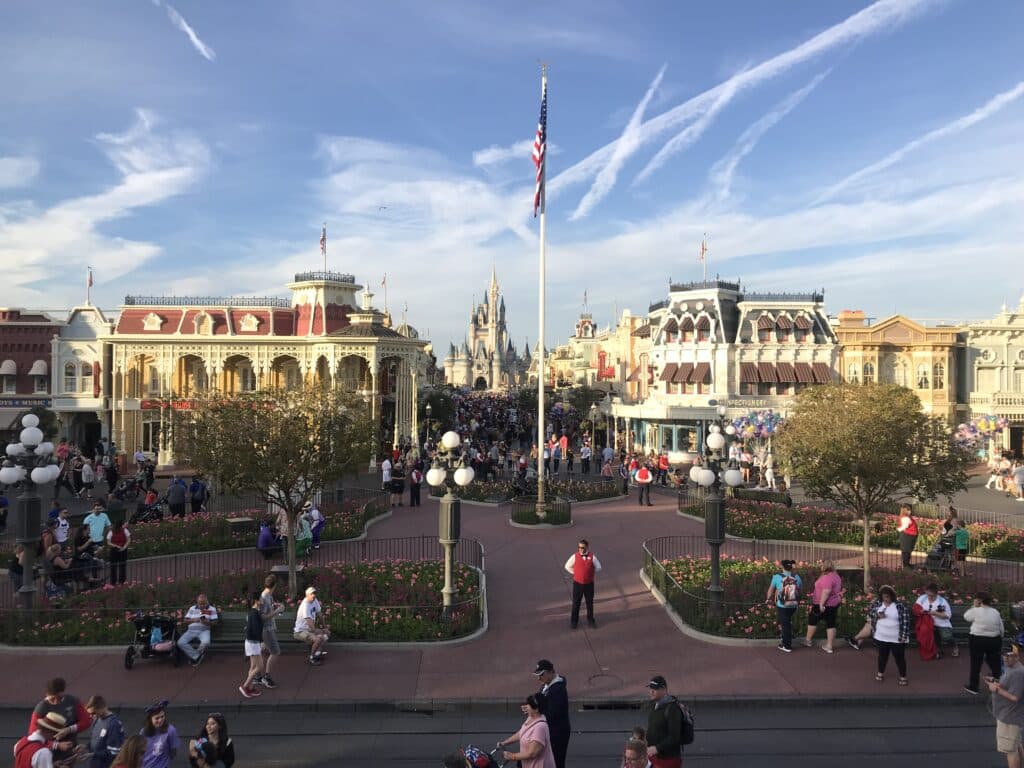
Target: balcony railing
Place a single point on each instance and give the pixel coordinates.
(207, 301)
(997, 399)
(813, 296)
(332, 277)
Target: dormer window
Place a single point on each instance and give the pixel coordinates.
(152, 322)
(249, 323)
(686, 329)
(764, 329)
(703, 328)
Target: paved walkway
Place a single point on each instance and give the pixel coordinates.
(528, 596)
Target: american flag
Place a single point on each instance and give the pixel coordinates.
(703, 250)
(323, 240)
(88, 280)
(540, 147)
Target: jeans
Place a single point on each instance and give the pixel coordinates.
(585, 465)
(118, 560)
(897, 650)
(192, 633)
(985, 649)
(579, 593)
(786, 624)
(559, 746)
(907, 543)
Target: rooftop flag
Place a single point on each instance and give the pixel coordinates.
(540, 146)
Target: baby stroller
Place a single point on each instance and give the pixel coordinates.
(149, 513)
(155, 635)
(477, 758)
(941, 557)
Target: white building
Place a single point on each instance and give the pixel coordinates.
(80, 363)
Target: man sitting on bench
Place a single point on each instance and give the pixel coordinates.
(267, 541)
(309, 620)
(200, 618)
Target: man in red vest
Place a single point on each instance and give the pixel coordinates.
(643, 478)
(582, 565)
(33, 751)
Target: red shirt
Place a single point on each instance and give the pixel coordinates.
(583, 568)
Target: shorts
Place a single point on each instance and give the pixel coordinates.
(253, 648)
(961, 555)
(309, 637)
(270, 642)
(815, 616)
(1007, 737)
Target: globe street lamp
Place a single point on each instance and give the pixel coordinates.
(448, 470)
(711, 477)
(28, 463)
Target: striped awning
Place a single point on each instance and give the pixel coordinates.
(39, 368)
(786, 373)
(8, 368)
(748, 373)
(701, 374)
(669, 371)
(804, 375)
(784, 323)
(686, 323)
(803, 322)
(764, 322)
(766, 372)
(683, 373)
(822, 373)
(670, 325)
(703, 323)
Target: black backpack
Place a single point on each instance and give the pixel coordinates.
(686, 729)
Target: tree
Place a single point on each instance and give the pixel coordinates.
(861, 446)
(285, 446)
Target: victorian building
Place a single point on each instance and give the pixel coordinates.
(487, 358)
(80, 375)
(25, 357)
(994, 370)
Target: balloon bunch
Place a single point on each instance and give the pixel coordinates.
(980, 430)
(757, 425)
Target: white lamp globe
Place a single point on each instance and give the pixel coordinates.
(733, 478)
(707, 478)
(30, 420)
(464, 475)
(15, 449)
(451, 440)
(714, 429)
(435, 476)
(44, 449)
(9, 475)
(54, 471)
(41, 475)
(730, 430)
(715, 441)
(695, 473)
(31, 436)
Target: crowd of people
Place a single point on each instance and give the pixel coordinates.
(1006, 476)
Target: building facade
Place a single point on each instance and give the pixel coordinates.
(487, 358)
(25, 363)
(994, 372)
(80, 376)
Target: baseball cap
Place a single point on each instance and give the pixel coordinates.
(787, 564)
(543, 666)
(310, 591)
(657, 682)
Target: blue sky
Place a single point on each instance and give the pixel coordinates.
(875, 150)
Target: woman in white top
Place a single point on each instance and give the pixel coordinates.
(985, 640)
(890, 626)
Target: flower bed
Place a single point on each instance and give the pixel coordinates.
(763, 520)
(501, 491)
(392, 601)
(746, 583)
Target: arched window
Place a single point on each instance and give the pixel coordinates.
(938, 376)
(246, 378)
(922, 376)
(869, 373)
(87, 377)
(70, 377)
(853, 374)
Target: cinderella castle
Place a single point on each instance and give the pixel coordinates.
(487, 359)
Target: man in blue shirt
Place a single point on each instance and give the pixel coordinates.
(107, 734)
(98, 524)
(785, 589)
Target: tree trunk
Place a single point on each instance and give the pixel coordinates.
(293, 579)
(867, 550)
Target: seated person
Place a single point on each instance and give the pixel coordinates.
(16, 566)
(200, 617)
(309, 620)
(938, 608)
(57, 567)
(303, 534)
(83, 559)
(267, 541)
(150, 499)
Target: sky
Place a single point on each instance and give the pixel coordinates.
(875, 150)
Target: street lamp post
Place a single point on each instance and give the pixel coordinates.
(449, 469)
(428, 410)
(28, 463)
(712, 477)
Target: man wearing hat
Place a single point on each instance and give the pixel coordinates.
(554, 703)
(74, 715)
(664, 726)
(1008, 706)
(309, 626)
(33, 751)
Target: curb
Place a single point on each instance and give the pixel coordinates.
(540, 526)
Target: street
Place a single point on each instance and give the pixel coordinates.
(730, 735)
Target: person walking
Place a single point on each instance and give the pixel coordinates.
(890, 627)
(534, 738)
(119, 538)
(1008, 707)
(270, 609)
(962, 544)
(415, 481)
(644, 477)
(826, 597)
(908, 533)
(624, 477)
(553, 698)
(785, 590)
(582, 565)
(176, 494)
(664, 726)
(984, 640)
(585, 459)
(253, 645)
(107, 735)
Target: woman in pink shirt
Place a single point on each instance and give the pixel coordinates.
(827, 595)
(533, 737)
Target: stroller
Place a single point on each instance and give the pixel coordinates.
(477, 758)
(941, 557)
(155, 635)
(149, 513)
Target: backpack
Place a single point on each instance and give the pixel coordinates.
(790, 591)
(686, 730)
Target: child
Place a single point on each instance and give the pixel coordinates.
(253, 648)
(962, 538)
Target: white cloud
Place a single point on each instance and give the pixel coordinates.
(723, 171)
(991, 107)
(17, 171)
(179, 21)
(627, 144)
(497, 155)
(881, 16)
(153, 167)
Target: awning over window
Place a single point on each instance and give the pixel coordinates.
(786, 373)
(803, 373)
(703, 323)
(686, 323)
(766, 371)
(8, 368)
(683, 373)
(803, 322)
(38, 368)
(748, 373)
(784, 323)
(669, 371)
(701, 374)
(670, 325)
(822, 373)
(764, 322)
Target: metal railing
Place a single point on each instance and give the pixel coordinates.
(335, 277)
(524, 512)
(212, 301)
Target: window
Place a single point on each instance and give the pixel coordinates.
(41, 387)
(87, 377)
(151, 432)
(670, 388)
(748, 388)
(764, 335)
(869, 373)
(292, 377)
(764, 388)
(70, 377)
(799, 335)
(246, 379)
(10, 384)
(200, 379)
(153, 381)
(853, 374)
(938, 376)
(703, 334)
(922, 376)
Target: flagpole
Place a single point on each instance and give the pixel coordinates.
(324, 249)
(88, 287)
(541, 373)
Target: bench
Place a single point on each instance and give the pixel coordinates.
(229, 632)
